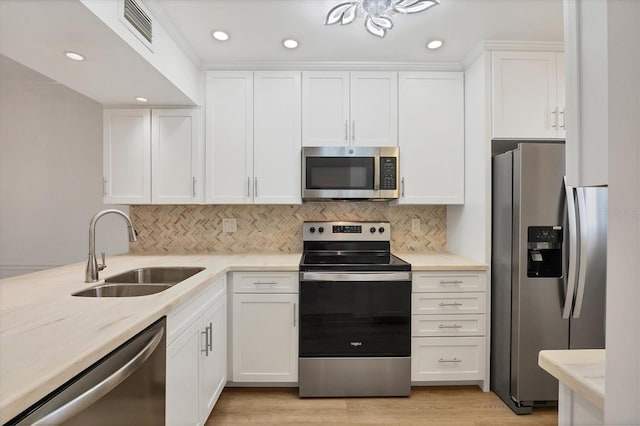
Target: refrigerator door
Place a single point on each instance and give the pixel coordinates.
(588, 318)
(537, 302)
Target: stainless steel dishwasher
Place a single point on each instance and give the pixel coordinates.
(126, 387)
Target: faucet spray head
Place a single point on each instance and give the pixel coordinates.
(133, 234)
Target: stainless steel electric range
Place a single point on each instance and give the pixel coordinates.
(355, 312)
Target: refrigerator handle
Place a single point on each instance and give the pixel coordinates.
(573, 249)
(584, 239)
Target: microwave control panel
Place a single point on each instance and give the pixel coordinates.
(388, 172)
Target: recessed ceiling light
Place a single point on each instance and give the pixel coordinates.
(141, 99)
(290, 43)
(220, 35)
(73, 55)
(435, 44)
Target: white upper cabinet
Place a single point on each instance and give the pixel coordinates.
(175, 152)
(342, 108)
(277, 138)
(431, 129)
(325, 102)
(589, 114)
(127, 156)
(528, 95)
(374, 108)
(253, 137)
(229, 145)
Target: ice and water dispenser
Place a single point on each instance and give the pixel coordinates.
(544, 252)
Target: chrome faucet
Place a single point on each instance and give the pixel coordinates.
(91, 274)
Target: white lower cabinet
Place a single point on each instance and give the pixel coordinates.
(196, 356)
(265, 327)
(449, 327)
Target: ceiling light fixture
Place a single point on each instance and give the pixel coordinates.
(220, 35)
(435, 44)
(377, 13)
(141, 99)
(290, 43)
(73, 55)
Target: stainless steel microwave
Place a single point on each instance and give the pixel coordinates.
(364, 173)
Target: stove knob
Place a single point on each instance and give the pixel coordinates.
(381, 230)
(372, 230)
(321, 230)
(312, 229)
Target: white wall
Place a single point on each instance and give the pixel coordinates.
(469, 225)
(50, 174)
(622, 384)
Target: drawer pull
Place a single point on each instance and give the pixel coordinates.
(450, 326)
(265, 283)
(451, 304)
(455, 282)
(449, 360)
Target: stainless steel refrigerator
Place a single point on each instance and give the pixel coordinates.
(548, 270)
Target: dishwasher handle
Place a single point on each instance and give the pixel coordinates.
(87, 398)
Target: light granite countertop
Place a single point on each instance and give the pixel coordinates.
(48, 336)
(580, 369)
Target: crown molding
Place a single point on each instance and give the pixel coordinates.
(498, 45)
(333, 66)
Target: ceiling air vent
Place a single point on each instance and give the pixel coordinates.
(136, 15)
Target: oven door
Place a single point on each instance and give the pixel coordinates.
(355, 314)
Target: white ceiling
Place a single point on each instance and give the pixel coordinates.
(257, 28)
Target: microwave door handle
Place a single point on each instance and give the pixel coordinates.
(87, 398)
(376, 172)
(573, 249)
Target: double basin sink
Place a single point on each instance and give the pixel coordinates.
(140, 282)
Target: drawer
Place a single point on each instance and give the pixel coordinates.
(183, 316)
(265, 282)
(448, 325)
(448, 303)
(447, 358)
(448, 281)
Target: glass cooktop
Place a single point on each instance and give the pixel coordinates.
(354, 261)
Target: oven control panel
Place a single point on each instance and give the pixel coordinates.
(346, 231)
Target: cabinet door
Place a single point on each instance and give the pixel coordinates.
(183, 375)
(561, 96)
(213, 361)
(374, 109)
(325, 102)
(176, 156)
(265, 338)
(431, 126)
(276, 142)
(127, 156)
(229, 160)
(525, 95)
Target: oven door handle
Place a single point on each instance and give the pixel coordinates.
(354, 276)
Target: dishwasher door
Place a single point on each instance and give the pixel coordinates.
(126, 387)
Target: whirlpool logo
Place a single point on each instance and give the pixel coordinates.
(356, 344)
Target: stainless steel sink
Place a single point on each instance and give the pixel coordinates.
(140, 282)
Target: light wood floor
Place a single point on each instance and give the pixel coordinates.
(455, 405)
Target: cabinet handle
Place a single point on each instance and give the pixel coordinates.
(353, 131)
(450, 304)
(248, 186)
(449, 360)
(255, 187)
(206, 342)
(210, 342)
(265, 283)
(563, 121)
(346, 130)
(402, 185)
(194, 186)
(450, 326)
(104, 186)
(554, 116)
(450, 282)
(294, 314)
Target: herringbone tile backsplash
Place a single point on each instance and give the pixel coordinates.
(275, 228)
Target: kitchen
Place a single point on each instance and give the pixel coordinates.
(457, 229)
